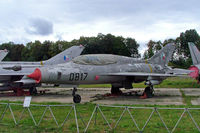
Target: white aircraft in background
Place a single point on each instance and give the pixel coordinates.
(11, 76)
(3, 54)
(195, 54)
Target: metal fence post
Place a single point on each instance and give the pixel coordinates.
(120, 117)
(42, 116)
(178, 120)
(193, 120)
(2, 116)
(95, 109)
(148, 120)
(67, 116)
(133, 120)
(12, 114)
(49, 107)
(104, 117)
(32, 116)
(76, 118)
(162, 120)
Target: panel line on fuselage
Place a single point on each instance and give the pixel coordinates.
(149, 66)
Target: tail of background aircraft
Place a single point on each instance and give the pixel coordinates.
(163, 56)
(3, 54)
(65, 56)
(195, 54)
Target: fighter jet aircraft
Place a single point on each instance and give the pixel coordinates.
(12, 73)
(195, 54)
(119, 71)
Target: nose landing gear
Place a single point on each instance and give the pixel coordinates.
(76, 97)
(148, 92)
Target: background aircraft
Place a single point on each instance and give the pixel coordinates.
(62, 57)
(195, 54)
(119, 71)
(12, 73)
(3, 54)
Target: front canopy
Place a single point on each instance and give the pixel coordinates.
(98, 59)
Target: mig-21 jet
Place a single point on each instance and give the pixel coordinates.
(13, 74)
(119, 71)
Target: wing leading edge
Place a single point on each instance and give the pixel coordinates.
(132, 74)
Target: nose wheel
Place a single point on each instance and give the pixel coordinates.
(76, 97)
(148, 92)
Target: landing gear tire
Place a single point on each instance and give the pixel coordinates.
(15, 91)
(149, 91)
(33, 91)
(116, 91)
(77, 98)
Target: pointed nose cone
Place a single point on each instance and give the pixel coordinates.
(36, 75)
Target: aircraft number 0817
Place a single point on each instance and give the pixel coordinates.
(77, 76)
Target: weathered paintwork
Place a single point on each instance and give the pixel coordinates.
(195, 54)
(13, 74)
(121, 72)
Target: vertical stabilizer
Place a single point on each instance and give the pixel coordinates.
(195, 54)
(163, 56)
(65, 56)
(3, 54)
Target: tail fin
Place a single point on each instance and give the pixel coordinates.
(163, 56)
(65, 56)
(195, 54)
(3, 54)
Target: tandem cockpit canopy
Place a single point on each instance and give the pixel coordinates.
(98, 59)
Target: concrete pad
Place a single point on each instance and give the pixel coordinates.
(163, 96)
(151, 101)
(191, 91)
(195, 101)
(167, 92)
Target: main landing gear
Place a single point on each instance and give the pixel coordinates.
(115, 91)
(76, 97)
(33, 91)
(148, 92)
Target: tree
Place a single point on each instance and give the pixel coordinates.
(132, 46)
(188, 36)
(182, 56)
(110, 44)
(15, 51)
(153, 47)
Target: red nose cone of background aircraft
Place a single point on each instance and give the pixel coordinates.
(36, 75)
(194, 74)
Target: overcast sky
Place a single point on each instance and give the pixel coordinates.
(22, 21)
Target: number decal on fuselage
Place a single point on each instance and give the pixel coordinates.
(77, 76)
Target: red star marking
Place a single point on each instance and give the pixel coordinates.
(96, 77)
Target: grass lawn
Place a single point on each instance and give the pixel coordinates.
(126, 124)
(111, 113)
